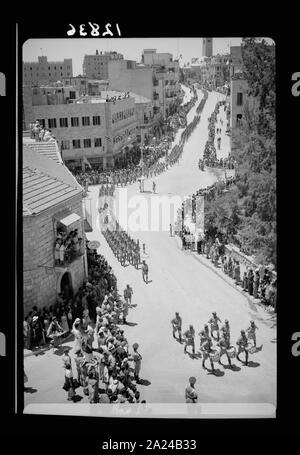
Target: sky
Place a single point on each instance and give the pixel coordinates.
(131, 48)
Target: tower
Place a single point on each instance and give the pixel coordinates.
(207, 47)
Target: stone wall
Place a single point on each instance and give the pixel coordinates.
(41, 284)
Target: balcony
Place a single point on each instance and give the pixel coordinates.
(69, 257)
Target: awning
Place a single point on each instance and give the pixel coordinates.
(67, 220)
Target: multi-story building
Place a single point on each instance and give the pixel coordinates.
(151, 58)
(239, 97)
(96, 66)
(158, 82)
(145, 117)
(52, 201)
(42, 72)
(236, 60)
(127, 75)
(239, 101)
(166, 80)
(218, 70)
(89, 127)
(207, 47)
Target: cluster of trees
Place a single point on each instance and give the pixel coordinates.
(247, 211)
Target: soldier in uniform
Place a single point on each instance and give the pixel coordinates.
(206, 349)
(137, 358)
(176, 325)
(203, 337)
(224, 345)
(145, 270)
(189, 337)
(251, 332)
(206, 331)
(214, 327)
(242, 342)
(190, 392)
(227, 328)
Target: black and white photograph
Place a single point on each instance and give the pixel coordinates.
(149, 227)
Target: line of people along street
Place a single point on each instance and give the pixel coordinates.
(151, 154)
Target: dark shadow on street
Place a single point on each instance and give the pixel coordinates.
(192, 356)
(61, 350)
(77, 398)
(30, 390)
(41, 352)
(234, 367)
(216, 372)
(131, 324)
(253, 364)
(149, 281)
(274, 341)
(144, 382)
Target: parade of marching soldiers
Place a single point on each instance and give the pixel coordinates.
(200, 333)
(215, 341)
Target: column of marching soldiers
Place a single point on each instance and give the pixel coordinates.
(126, 249)
(216, 342)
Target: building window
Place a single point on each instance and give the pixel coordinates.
(74, 121)
(96, 120)
(85, 121)
(239, 99)
(63, 122)
(87, 143)
(98, 142)
(42, 122)
(76, 143)
(65, 145)
(238, 120)
(52, 123)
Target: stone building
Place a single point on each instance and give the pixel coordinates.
(156, 78)
(52, 200)
(88, 127)
(207, 47)
(43, 72)
(96, 66)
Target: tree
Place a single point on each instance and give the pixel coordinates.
(250, 204)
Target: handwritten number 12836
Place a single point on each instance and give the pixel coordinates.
(93, 30)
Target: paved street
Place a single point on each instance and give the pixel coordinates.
(179, 282)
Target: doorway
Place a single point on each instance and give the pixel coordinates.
(66, 287)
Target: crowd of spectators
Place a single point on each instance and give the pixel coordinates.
(259, 282)
(113, 99)
(102, 355)
(40, 133)
(67, 247)
(210, 152)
